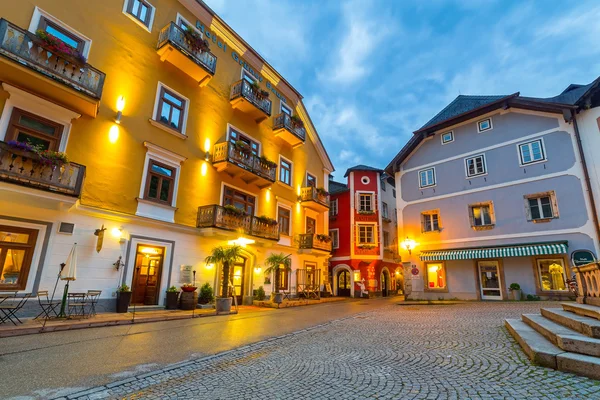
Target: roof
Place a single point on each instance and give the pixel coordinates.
(460, 105)
(361, 167)
(337, 187)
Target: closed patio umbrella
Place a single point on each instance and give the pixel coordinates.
(68, 274)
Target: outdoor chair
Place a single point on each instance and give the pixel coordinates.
(9, 311)
(76, 304)
(92, 299)
(48, 306)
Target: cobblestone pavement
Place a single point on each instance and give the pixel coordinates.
(459, 351)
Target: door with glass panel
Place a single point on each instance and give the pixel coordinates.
(489, 280)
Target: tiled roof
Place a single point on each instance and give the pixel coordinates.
(361, 167)
(460, 105)
(337, 187)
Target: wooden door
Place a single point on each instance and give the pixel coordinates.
(344, 283)
(146, 278)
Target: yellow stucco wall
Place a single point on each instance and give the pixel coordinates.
(127, 54)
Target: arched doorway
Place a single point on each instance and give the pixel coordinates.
(344, 284)
(385, 283)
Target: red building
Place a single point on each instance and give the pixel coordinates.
(363, 228)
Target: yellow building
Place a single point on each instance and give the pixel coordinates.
(166, 116)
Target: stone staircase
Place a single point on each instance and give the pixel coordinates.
(566, 339)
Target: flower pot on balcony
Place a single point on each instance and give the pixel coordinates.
(172, 299)
(123, 300)
(223, 304)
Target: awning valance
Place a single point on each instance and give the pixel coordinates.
(532, 249)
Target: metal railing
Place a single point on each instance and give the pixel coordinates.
(311, 241)
(215, 216)
(175, 35)
(245, 159)
(28, 169)
(312, 194)
(244, 89)
(27, 49)
(283, 120)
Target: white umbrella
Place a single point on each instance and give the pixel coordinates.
(68, 273)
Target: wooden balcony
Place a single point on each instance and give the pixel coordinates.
(244, 98)
(311, 244)
(174, 47)
(26, 61)
(243, 164)
(311, 198)
(285, 128)
(28, 169)
(215, 216)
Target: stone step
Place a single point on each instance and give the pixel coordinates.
(538, 348)
(563, 337)
(579, 364)
(582, 309)
(585, 325)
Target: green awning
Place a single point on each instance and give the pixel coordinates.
(532, 249)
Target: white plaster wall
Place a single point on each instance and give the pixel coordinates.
(519, 270)
(590, 139)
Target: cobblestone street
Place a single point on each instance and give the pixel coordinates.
(458, 351)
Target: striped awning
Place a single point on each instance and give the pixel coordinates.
(532, 249)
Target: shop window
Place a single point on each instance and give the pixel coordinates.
(436, 276)
(16, 252)
(552, 274)
(283, 217)
(29, 128)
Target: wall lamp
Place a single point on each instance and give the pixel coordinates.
(120, 107)
(409, 244)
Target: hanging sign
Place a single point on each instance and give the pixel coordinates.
(582, 257)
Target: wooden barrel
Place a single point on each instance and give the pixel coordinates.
(188, 300)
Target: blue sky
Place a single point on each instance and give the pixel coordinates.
(372, 72)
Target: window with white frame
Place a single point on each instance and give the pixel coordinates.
(43, 21)
(532, 152)
(185, 25)
(366, 234)
(285, 171)
(475, 165)
(365, 202)
(430, 221)
(481, 215)
(285, 108)
(427, 177)
(333, 207)
(383, 185)
(541, 206)
(141, 12)
(170, 110)
(284, 217)
(447, 137)
(334, 234)
(484, 125)
(384, 210)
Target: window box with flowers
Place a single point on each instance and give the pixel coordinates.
(323, 238)
(195, 41)
(366, 212)
(234, 211)
(263, 219)
(60, 48)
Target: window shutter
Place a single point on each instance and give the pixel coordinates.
(423, 216)
(492, 213)
(554, 204)
(527, 210)
(471, 216)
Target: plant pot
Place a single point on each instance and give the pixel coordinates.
(515, 294)
(189, 288)
(277, 298)
(188, 300)
(172, 298)
(223, 304)
(123, 300)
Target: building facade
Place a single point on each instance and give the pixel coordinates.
(493, 191)
(180, 137)
(363, 225)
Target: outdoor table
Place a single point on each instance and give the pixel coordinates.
(76, 303)
(7, 295)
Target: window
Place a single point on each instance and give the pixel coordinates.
(16, 252)
(185, 24)
(427, 178)
(283, 217)
(311, 226)
(541, 206)
(447, 137)
(236, 136)
(430, 221)
(436, 276)
(366, 234)
(247, 76)
(284, 279)
(475, 166)
(383, 185)
(29, 128)
(365, 180)
(365, 202)
(481, 215)
(531, 152)
(171, 110)
(238, 199)
(140, 11)
(160, 183)
(333, 208)
(386, 240)
(61, 33)
(551, 273)
(285, 171)
(384, 210)
(311, 181)
(285, 109)
(484, 125)
(334, 234)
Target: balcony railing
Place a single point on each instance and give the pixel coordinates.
(284, 121)
(175, 35)
(27, 169)
(215, 216)
(312, 194)
(228, 152)
(244, 89)
(312, 241)
(27, 49)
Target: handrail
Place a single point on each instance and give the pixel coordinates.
(310, 193)
(244, 158)
(174, 34)
(284, 120)
(243, 89)
(216, 216)
(311, 241)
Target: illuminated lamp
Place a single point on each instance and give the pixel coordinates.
(120, 107)
(408, 244)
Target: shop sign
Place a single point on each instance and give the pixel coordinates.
(582, 257)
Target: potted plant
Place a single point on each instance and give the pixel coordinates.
(260, 294)
(266, 220)
(296, 122)
(188, 287)
(172, 298)
(323, 238)
(515, 291)
(60, 48)
(226, 257)
(242, 147)
(234, 211)
(267, 163)
(123, 298)
(276, 264)
(193, 39)
(206, 295)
